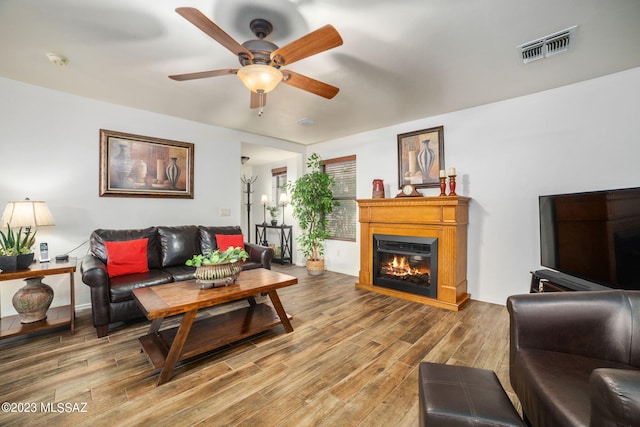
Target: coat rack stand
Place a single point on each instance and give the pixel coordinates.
(247, 181)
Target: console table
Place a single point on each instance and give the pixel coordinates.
(10, 326)
(285, 236)
(553, 281)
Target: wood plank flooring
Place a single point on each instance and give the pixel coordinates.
(351, 361)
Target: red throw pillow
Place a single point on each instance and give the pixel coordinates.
(224, 241)
(127, 257)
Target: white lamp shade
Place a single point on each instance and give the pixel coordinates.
(259, 77)
(265, 199)
(284, 199)
(27, 213)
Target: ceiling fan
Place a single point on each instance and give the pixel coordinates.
(261, 59)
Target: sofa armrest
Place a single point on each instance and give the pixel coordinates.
(94, 274)
(259, 254)
(615, 397)
(593, 324)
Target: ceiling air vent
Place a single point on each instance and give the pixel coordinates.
(547, 46)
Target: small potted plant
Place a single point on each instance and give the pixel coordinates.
(274, 211)
(218, 268)
(16, 250)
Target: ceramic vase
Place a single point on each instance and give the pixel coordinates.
(173, 172)
(378, 189)
(33, 300)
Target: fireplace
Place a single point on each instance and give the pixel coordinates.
(406, 263)
(427, 231)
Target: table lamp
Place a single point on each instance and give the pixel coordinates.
(28, 214)
(284, 200)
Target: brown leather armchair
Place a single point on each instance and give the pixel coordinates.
(575, 357)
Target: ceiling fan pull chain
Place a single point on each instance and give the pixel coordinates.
(260, 103)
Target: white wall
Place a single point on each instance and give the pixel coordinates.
(575, 138)
(50, 151)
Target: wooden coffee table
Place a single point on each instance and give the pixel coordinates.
(167, 347)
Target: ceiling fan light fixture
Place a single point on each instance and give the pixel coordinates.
(259, 77)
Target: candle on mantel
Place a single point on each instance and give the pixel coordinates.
(443, 173)
(452, 171)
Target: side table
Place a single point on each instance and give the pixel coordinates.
(285, 236)
(10, 326)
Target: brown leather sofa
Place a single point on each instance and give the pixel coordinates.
(167, 250)
(575, 357)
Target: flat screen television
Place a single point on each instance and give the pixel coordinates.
(593, 235)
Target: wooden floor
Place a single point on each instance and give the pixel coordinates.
(351, 361)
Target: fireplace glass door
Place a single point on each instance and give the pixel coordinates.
(406, 263)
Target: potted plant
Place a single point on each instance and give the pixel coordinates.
(274, 211)
(16, 250)
(218, 268)
(312, 199)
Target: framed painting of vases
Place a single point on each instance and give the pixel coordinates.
(143, 166)
(421, 157)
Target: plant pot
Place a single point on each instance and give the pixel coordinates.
(25, 260)
(274, 222)
(33, 300)
(214, 275)
(315, 267)
(9, 264)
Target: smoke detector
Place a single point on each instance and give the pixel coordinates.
(57, 59)
(549, 45)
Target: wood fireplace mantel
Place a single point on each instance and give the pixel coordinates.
(445, 218)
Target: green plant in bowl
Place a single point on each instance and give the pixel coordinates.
(218, 257)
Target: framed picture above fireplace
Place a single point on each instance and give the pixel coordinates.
(143, 166)
(421, 157)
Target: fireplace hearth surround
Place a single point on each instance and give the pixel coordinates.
(437, 222)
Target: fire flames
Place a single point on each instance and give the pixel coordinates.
(399, 266)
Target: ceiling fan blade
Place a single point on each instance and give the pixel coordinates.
(317, 41)
(255, 100)
(310, 85)
(204, 74)
(200, 20)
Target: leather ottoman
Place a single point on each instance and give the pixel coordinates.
(462, 396)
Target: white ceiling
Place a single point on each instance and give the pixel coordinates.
(401, 59)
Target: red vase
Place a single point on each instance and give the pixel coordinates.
(378, 189)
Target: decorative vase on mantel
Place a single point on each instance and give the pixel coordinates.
(33, 300)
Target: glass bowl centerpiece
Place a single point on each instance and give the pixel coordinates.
(218, 268)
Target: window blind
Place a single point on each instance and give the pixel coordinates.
(342, 221)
